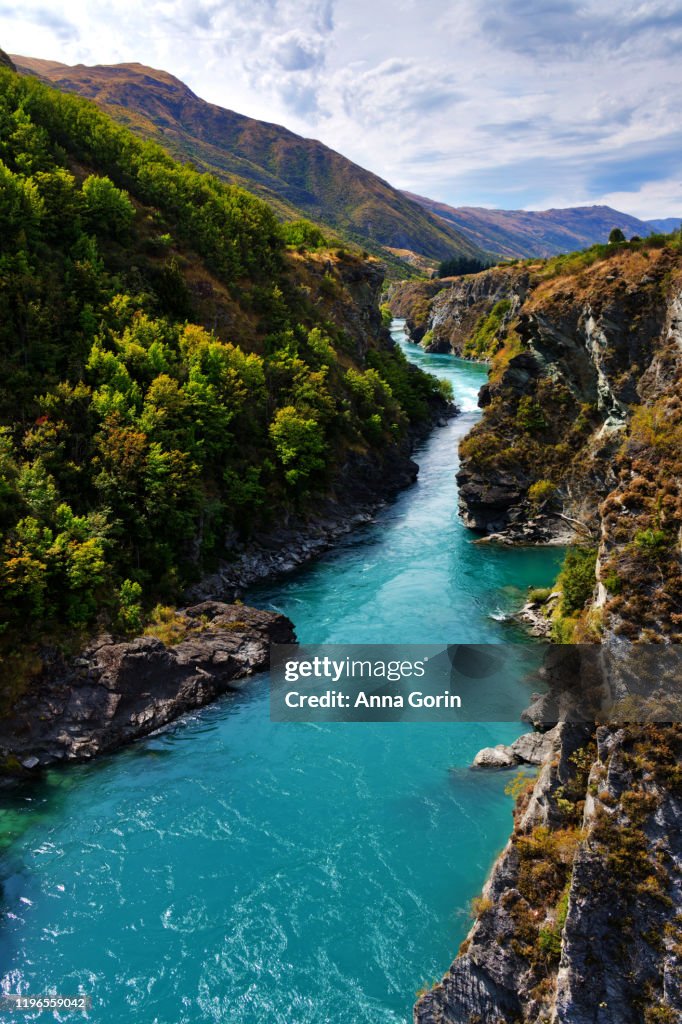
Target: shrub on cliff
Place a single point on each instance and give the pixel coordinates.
(485, 340)
(577, 578)
(303, 234)
(541, 492)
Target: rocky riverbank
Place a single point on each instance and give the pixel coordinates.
(366, 482)
(579, 920)
(115, 692)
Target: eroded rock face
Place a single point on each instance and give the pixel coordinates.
(579, 351)
(455, 311)
(621, 939)
(579, 921)
(533, 747)
(452, 307)
(484, 500)
(116, 692)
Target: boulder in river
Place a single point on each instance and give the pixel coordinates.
(495, 757)
(531, 748)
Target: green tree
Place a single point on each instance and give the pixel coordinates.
(299, 443)
(577, 578)
(106, 209)
(303, 234)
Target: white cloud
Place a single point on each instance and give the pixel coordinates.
(652, 200)
(489, 102)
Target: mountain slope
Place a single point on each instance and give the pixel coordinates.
(172, 378)
(523, 233)
(665, 224)
(299, 177)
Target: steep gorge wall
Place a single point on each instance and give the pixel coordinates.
(581, 439)
(579, 922)
(449, 309)
(581, 435)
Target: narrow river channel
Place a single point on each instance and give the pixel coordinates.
(235, 871)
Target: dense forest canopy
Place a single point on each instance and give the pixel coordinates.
(133, 439)
(456, 266)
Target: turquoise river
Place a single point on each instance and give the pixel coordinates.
(235, 871)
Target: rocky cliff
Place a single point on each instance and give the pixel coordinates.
(580, 348)
(582, 433)
(582, 428)
(444, 315)
(579, 921)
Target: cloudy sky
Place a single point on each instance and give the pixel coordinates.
(509, 103)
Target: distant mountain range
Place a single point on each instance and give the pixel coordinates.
(299, 177)
(522, 233)
(304, 178)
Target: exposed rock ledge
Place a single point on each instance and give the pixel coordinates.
(531, 748)
(117, 692)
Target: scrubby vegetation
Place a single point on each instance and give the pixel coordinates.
(169, 375)
(535, 436)
(577, 579)
(304, 235)
(575, 262)
(486, 340)
(642, 519)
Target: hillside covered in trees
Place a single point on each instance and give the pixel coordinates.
(297, 176)
(172, 373)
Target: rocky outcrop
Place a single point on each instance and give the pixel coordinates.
(531, 748)
(450, 309)
(576, 346)
(495, 757)
(411, 302)
(455, 311)
(116, 692)
(485, 500)
(579, 355)
(536, 615)
(579, 920)
(621, 946)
